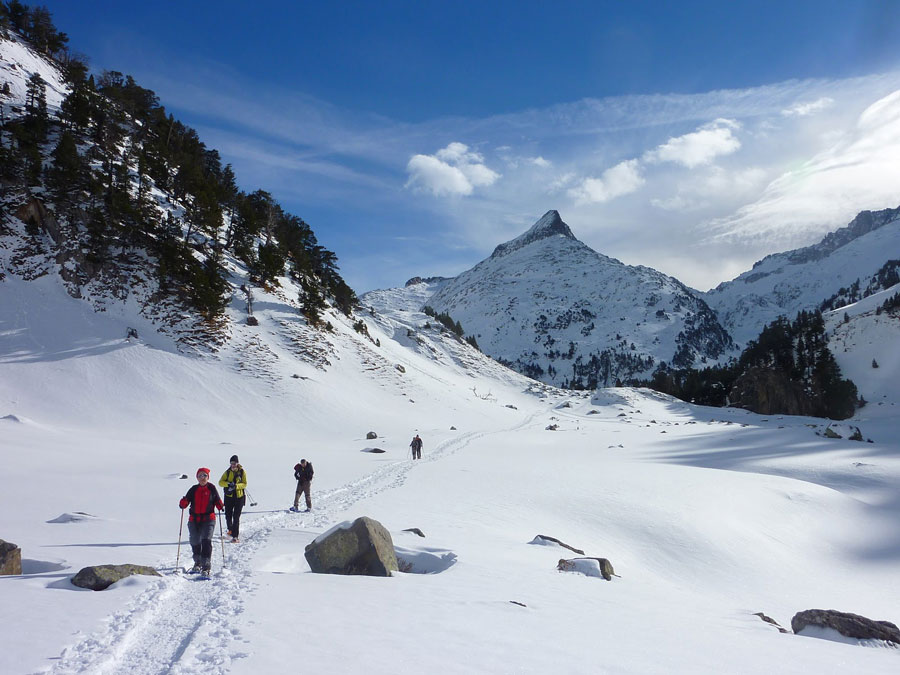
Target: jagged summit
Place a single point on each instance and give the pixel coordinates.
(549, 225)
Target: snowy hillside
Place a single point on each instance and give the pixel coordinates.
(858, 336)
(563, 313)
(785, 283)
(707, 515)
(18, 62)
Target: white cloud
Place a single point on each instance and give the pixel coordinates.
(808, 108)
(454, 170)
(541, 162)
(698, 147)
(622, 179)
(430, 173)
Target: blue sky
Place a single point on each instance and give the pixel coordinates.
(693, 137)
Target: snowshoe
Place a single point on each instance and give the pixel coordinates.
(294, 509)
(205, 572)
(194, 570)
(235, 540)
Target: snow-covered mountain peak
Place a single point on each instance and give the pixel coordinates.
(549, 225)
(556, 310)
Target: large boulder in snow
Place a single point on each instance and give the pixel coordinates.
(361, 547)
(10, 558)
(591, 567)
(101, 577)
(848, 625)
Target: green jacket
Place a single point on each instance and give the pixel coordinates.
(239, 478)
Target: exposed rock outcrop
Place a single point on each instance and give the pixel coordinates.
(592, 567)
(544, 540)
(770, 392)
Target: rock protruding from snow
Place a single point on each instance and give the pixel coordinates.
(591, 567)
(101, 577)
(544, 540)
(10, 558)
(362, 547)
(848, 625)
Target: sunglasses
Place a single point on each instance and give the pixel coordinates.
(202, 475)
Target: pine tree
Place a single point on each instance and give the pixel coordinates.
(65, 174)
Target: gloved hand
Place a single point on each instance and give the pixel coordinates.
(231, 486)
(183, 503)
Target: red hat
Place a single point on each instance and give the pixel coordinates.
(203, 469)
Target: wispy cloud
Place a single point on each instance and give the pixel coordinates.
(808, 108)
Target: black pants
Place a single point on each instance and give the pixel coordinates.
(233, 508)
(200, 535)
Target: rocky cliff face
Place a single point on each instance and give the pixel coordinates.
(554, 309)
(770, 392)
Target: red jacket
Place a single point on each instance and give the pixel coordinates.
(202, 502)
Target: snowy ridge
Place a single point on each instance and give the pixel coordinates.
(785, 283)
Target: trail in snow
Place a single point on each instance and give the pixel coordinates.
(182, 625)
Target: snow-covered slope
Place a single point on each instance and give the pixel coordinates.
(785, 283)
(707, 515)
(558, 310)
(865, 343)
(18, 62)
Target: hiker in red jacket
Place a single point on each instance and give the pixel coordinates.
(203, 498)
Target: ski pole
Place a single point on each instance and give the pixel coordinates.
(252, 501)
(222, 539)
(180, 528)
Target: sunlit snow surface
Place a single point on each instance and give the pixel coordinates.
(707, 515)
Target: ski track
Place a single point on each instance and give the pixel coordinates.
(184, 625)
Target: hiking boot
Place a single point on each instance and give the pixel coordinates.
(235, 540)
(228, 532)
(206, 571)
(194, 569)
(294, 509)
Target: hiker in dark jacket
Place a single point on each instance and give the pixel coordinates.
(416, 446)
(203, 499)
(234, 481)
(303, 472)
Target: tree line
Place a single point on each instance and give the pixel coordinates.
(797, 350)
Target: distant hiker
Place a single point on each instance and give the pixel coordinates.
(303, 472)
(416, 446)
(203, 498)
(234, 480)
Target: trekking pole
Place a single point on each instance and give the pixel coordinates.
(222, 539)
(252, 501)
(180, 528)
